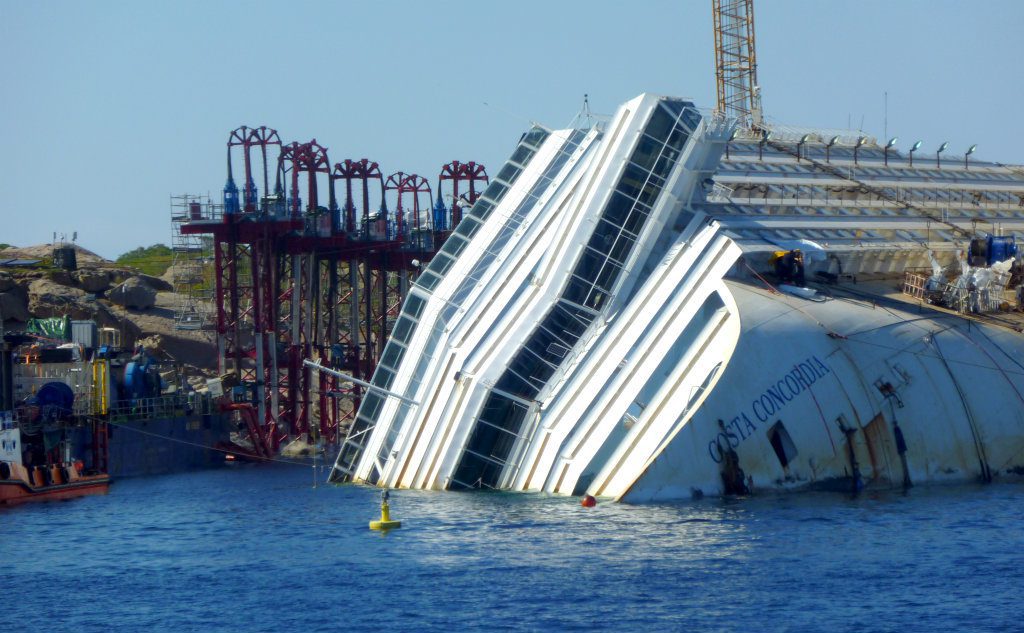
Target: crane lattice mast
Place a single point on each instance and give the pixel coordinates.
(736, 62)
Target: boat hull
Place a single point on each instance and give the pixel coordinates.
(844, 395)
(17, 491)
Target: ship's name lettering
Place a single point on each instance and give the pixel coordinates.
(767, 404)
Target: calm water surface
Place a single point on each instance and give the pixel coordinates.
(259, 549)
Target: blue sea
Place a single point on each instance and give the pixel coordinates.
(259, 548)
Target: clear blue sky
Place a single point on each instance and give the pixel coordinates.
(109, 107)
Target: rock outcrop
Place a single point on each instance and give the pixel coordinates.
(93, 281)
(47, 298)
(14, 307)
(133, 293)
(156, 283)
(6, 281)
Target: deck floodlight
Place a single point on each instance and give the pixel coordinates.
(732, 137)
(889, 146)
(860, 141)
(913, 149)
(765, 137)
(828, 148)
(970, 150)
(803, 141)
(941, 149)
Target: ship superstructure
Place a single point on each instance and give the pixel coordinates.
(606, 306)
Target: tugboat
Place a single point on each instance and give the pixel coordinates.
(30, 471)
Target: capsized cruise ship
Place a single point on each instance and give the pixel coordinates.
(665, 307)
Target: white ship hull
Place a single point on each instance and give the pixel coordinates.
(953, 387)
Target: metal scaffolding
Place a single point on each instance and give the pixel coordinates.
(295, 280)
(191, 268)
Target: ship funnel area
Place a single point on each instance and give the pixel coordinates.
(570, 326)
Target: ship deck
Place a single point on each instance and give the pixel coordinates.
(886, 290)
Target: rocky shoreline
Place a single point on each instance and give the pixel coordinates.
(140, 306)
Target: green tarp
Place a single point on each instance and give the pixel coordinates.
(54, 327)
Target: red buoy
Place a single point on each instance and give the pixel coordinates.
(588, 501)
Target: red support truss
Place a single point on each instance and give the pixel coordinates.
(301, 281)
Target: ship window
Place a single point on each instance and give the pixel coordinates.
(402, 330)
(482, 209)
(618, 206)
(508, 173)
(632, 181)
(660, 125)
(383, 378)
(780, 440)
(392, 354)
(521, 155)
(691, 118)
(454, 245)
(535, 136)
(496, 190)
(665, 163)
(646, 152)
(468, 227)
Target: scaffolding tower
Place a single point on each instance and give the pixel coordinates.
(190, 266)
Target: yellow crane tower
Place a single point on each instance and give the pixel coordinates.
(739, 95)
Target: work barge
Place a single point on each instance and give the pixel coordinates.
(297, 278)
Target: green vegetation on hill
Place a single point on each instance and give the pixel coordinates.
(153, 260)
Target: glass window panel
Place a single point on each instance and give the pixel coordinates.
(447, 313)
(576, 290)
(636, 221)
(392, 354)
(603, 237)
(473, 471)
(609, 275)
(403, 329)
(646, 152)
(482, 209)
(678, 138)
(516, 385)
(454, 245)
(660, 124)
(565, 324)
(521, 155)
(691, 118)
(372, 404)
(468, 227)
(427, 280)
(665, 163)
(549, 347)
(495, 191)
(632, 181)
(383, 378)
(535, 136)
(509, 172)
(674, 106)
(623, 246)
(618, 206)
(441, 264)
(650, 191)
(414, 305)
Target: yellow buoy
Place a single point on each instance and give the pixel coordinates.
(385, 522)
